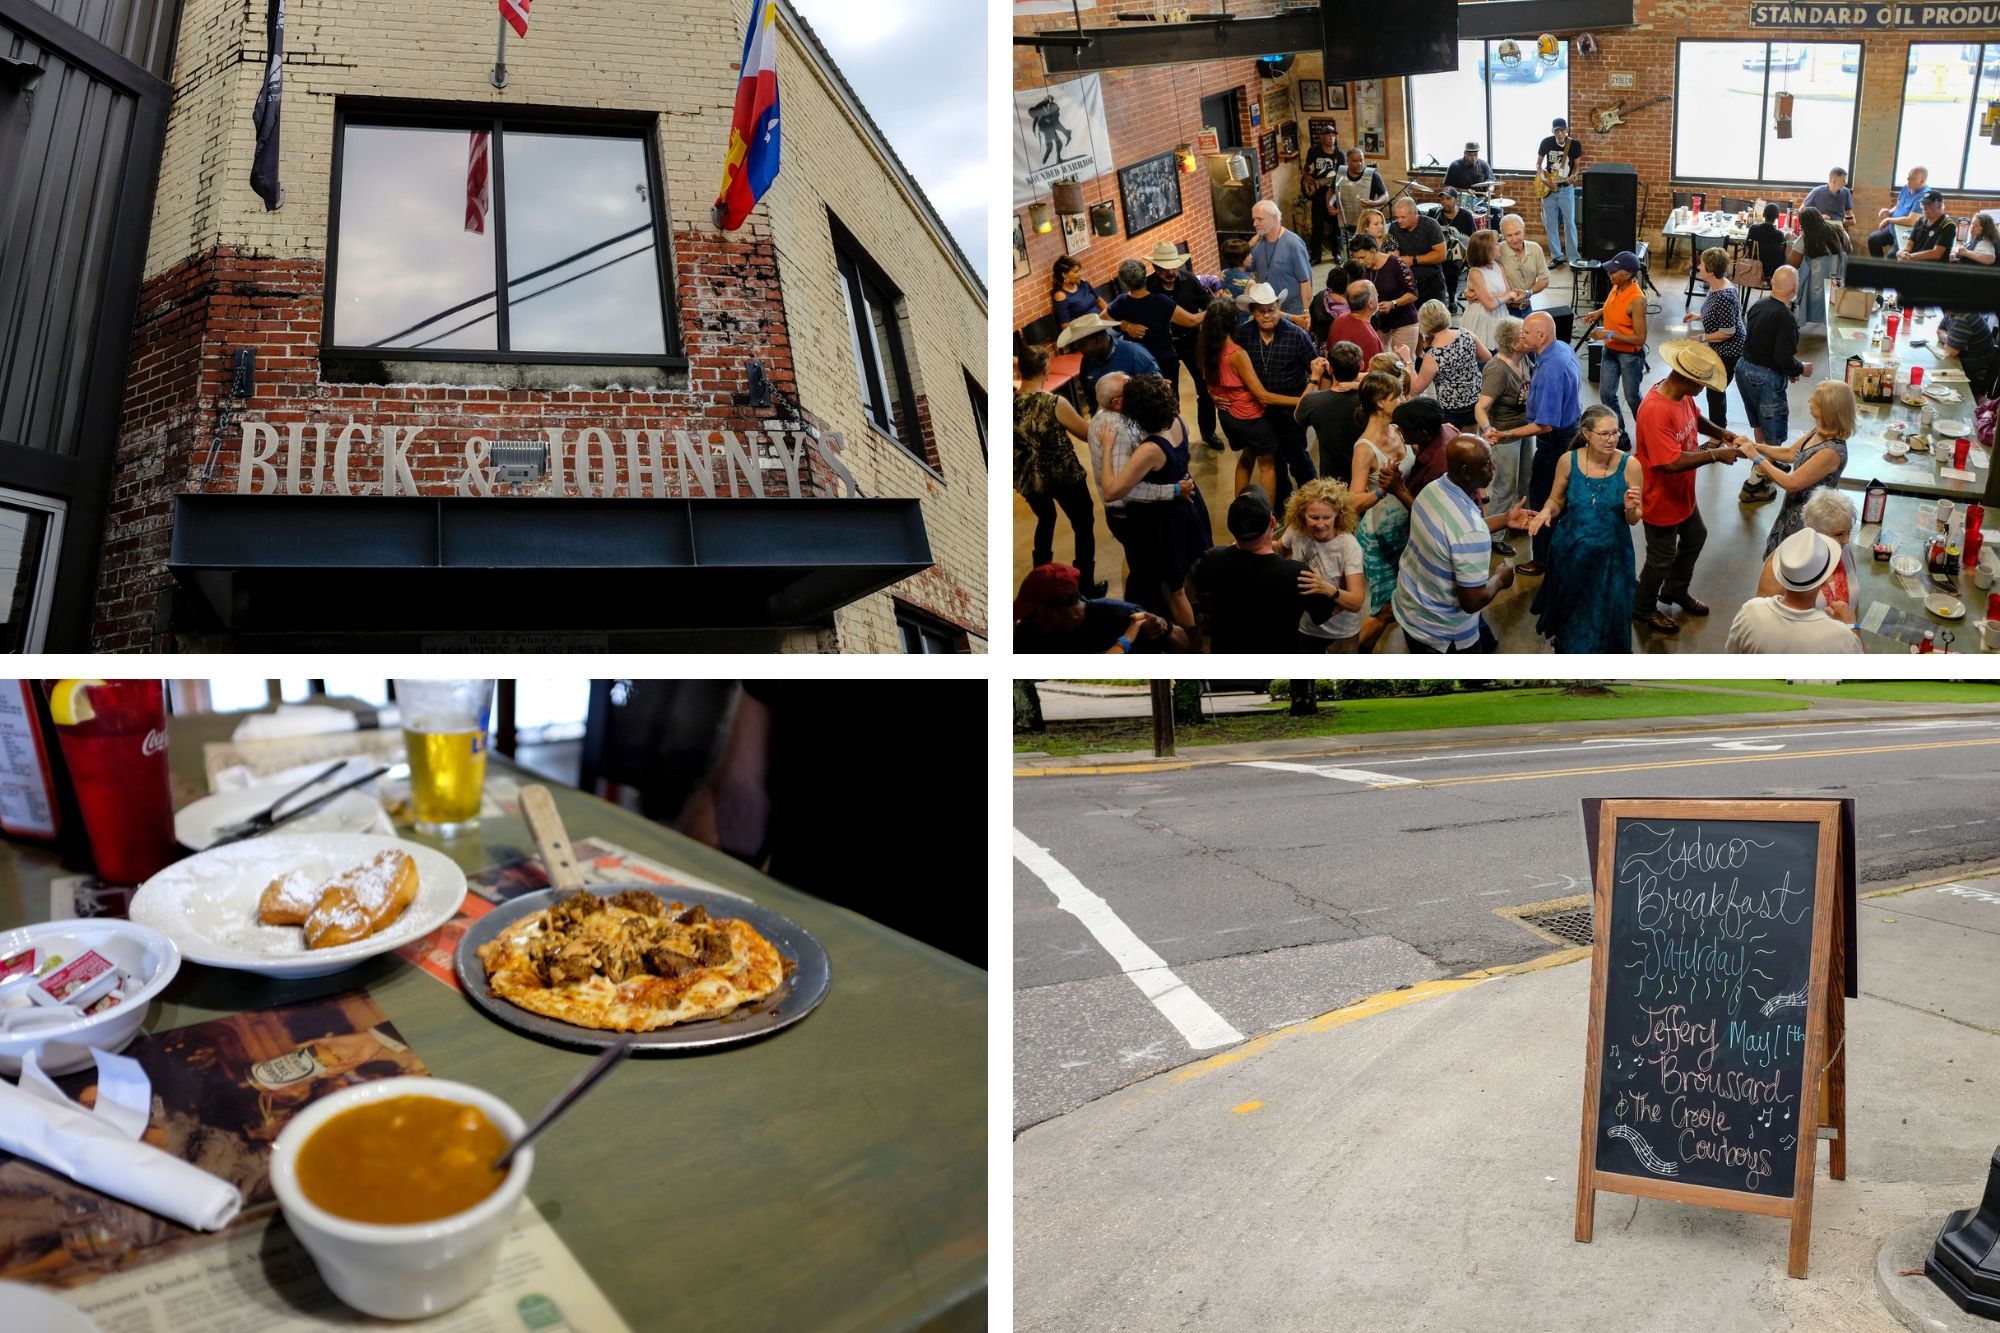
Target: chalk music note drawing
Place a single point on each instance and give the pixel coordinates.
(1792, 999)
(1649, 1159)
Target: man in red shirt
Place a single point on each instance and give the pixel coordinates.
(1665, 439)
(1353, 326)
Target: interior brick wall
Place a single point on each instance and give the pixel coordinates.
(1647, 51)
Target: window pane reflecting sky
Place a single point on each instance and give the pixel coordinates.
(405, 254)
(565, 194)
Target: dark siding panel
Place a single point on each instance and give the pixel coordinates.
(140, 30)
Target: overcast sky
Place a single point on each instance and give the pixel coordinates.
(920, 68)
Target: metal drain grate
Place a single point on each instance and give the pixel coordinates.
(1573, 925)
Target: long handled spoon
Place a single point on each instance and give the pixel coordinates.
(569, 1097)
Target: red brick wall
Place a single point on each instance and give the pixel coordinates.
(1150, 110)
(195, 315)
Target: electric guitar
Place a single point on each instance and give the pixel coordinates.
(1547, 181)
(1605, 119)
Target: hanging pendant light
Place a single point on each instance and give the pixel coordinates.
(1067, 196)
(1784, 106)
(1104, 218)
(1185, 152)
(1038, 217)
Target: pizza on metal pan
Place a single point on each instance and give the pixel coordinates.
(629, 963)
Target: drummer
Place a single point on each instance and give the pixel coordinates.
(1469, 170)
(1454, 219)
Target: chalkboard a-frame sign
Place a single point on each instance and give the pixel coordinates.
(1715, 997)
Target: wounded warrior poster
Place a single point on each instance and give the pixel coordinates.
(1059, 135)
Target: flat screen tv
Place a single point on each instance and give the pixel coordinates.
(1358, 43)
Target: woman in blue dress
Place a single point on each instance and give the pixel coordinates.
(1585, 602)
(1070, 295)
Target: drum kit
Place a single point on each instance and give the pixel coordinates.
(1486, 207)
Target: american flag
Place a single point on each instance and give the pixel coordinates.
(516, 14)
(478, 195)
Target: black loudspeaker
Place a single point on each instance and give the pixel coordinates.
(1233, 203)
(1565, 320)
(1610, 220)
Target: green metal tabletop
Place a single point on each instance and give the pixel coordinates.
(832, 1175)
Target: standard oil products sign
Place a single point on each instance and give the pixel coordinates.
(1712, 996)
(1908, 17)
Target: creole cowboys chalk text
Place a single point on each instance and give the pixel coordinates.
(321, 459)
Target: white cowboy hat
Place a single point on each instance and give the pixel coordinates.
(1166, 256)
(1260, 294)
(1807, 559)
(1082, 327)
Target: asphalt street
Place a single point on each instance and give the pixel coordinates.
(1228, 900)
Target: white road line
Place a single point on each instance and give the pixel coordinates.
(1430, 902)
(1235, 930)
(1328, 771)
(1191, 1015)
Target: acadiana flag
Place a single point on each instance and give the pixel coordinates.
(752, 163)
(516, 14)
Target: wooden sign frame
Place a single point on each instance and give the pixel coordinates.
(1822, 1094)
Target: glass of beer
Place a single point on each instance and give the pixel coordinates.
(444, 735)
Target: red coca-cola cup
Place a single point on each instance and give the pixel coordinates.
(1993, 608)
(1916, 377)
(1961, 452)
(114, 739)
(1891, 324)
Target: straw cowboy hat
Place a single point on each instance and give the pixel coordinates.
(1695, 361)
(1166, 256)
(1083, 326)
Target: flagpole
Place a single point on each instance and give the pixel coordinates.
(500, 60)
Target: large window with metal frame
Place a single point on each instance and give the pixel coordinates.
(436, 215)
(1951, 96)
(977, 392)
(1728, 97)
(1502, 95)
(875, 333)
(922, 632)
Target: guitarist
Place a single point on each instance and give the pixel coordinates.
(1555, 181)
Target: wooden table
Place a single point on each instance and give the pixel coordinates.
(1867, 457)
(1877, 584)
(833, 1175)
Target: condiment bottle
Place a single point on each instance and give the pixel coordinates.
(1929, 643)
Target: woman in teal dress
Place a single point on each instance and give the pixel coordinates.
(1585, 602)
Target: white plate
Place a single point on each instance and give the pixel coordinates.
(1944, 606)
(1942, 394)
(197, 825)
(1955, 429)
(1905, 565)
(42, 1311)
(207, 904)
(146, 955)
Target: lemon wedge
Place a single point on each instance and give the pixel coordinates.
(68, 703)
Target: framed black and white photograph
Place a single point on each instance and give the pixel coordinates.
(1020, 249)
(1309, 95)
(1336, 97)
(1288, 139)
(1371, 142)
(1076, 232)
(1151, 192)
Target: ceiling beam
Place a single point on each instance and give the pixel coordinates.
(1127, 45)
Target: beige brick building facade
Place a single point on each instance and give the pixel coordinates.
(222, 272)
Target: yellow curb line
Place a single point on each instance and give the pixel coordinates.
(1379, 1003)
(1101, 770)
(1695, 763)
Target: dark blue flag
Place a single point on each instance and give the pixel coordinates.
(264, 167)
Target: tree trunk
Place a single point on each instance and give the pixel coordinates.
(1303, 703)
(1187, 703)
(1027, 708)
(1585, 689)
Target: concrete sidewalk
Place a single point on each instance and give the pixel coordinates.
(1410, 1163)
(1823, 712)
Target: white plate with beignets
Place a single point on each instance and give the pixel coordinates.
(301, 904)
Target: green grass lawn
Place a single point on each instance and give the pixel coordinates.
(1486, 708)
(1891, 691)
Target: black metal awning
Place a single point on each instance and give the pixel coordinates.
(300, 564)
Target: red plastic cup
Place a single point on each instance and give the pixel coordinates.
(1961, 452)
(1892, 323)
(1916, 377)
(1993, 607)
(118, 765)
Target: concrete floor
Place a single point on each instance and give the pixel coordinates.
(1725, 578)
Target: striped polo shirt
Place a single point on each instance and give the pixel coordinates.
(1450, 548)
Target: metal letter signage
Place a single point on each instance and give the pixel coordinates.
(1904, 17)
(370, 460)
